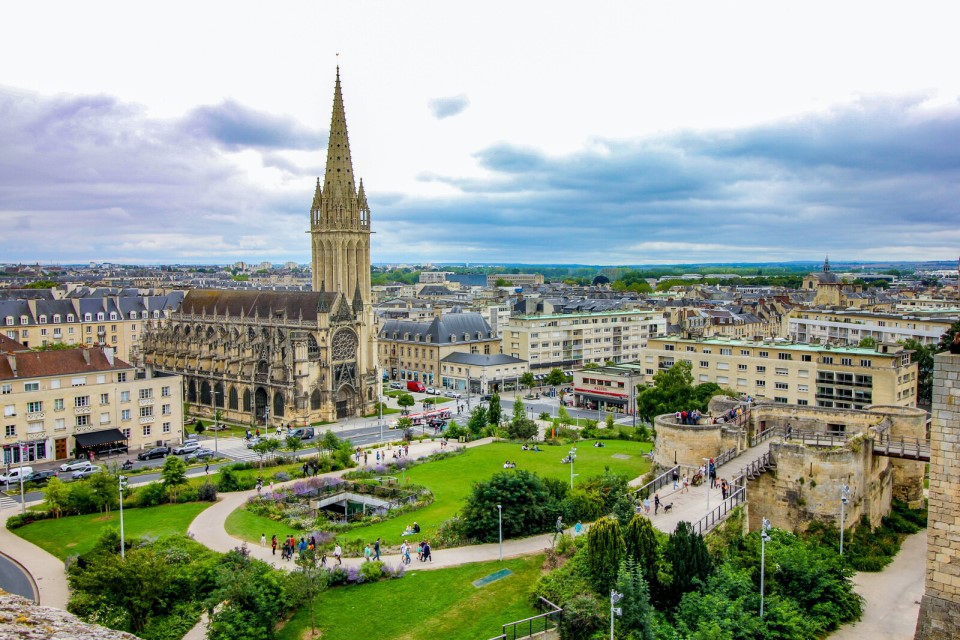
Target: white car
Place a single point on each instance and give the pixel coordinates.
(76, 465)
(452, 394)
(187, 447)
(83, 473)
(432, 392)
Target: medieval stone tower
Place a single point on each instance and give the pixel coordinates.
(340, 218)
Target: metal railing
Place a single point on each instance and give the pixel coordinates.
(816, 438)
(662, 480)
(725, 457)
(538, 624)
(718, 514)
(753, 469)
(913, 448)
(766, 435)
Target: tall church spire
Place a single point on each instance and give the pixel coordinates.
(339, 163)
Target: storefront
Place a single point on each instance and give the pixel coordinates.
(100, 443)
(35, 451)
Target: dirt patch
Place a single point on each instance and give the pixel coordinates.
(621, 456)
(103, 519)
(71, 544)
(310, 635)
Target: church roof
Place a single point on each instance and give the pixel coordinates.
(265, 304)
(462, 327)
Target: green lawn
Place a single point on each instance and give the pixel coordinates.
(73, 535)
(424, 604)
(451, 481)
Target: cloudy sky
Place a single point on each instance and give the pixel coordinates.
(541, 132)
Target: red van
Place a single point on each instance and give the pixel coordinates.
(419, 387)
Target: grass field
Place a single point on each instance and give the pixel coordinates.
(424, 604)
(78, 534)
(451, 481)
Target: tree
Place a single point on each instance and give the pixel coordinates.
(502, 282)
(494, 412)
(294, 443)
(636, 618)
(923, 356)
(173, 474)
(555, 378)
(689, 560)
(947, 338)
(55, 496)
(527, 504)
(869, 342)
(478, 420)
(309, 581)
(609, 421)
(405, 401)
(103, 490)
(262, 448)
(605, 550)
(521, 428)
(527, 380)
(642, 547)
(198, 427)
(331, 442)
(253, 597)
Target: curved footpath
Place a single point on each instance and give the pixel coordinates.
(46, 570)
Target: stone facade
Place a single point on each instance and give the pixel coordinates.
(940, 608)
(21, 619)
(689, 444)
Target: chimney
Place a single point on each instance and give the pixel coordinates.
(12, 360)
(86, 355)
(108, 354)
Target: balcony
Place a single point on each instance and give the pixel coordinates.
(147, 419)
(81, 411)
(143, 402)
(37, 415)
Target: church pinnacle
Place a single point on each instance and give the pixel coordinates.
(339, 163)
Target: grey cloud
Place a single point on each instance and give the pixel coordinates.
(235, 125)
(448, 107)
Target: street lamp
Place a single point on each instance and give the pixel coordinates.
(764, 539)
(122, 484)
(615, 597)
(573, 456)
(500, 522)
(216, 422)
(844, 499)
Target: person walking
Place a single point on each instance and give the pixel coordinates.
(577, 529)
(646, 505)
(206, 468)
(337, 552)
(263, 539)
(686, 484)
(273, 543)
(656, 503)
(676, 479)
(376, 549)
(366, 552)
(404, 553)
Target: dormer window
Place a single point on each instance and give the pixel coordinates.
(9, 321)
(24, 319)
(156, 314)
(43, 319)
(453, 338)
(113, 315)
(70, 318)
(56, 318)
(133, 315)
(87, 317)
(100, 316)
(466, 337)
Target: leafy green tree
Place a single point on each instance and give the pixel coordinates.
(923, 356)
(198, 427)
(527, 380)
(104, 491)
(689, 560)
(605, 551)
(478, 420)
(528, 506)
(294, 443)
(642, 547)
(309, 581)
(947, 338)
(262, 448)
(331, 442)
(405, 401)
(494, 411)
(502, 282)
(637, 618)
(174, 472)
(253, 598)
(608, 421)
(556, 378)
(55, 496)
(672, 391)
(564, 417)
(868, 342)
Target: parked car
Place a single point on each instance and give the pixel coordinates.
(433, 392)
(252, 442)
(199, 454)
(187, 447)
(156, 452)
(396, 385)
(83, 473)
(486, 397)
(452, 394)
(418, 387)
(304, 433)
(76, 465)
(41, 476)
(15, 474)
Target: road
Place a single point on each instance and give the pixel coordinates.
(14, 579)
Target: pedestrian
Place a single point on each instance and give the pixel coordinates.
(263, 539)
(686, 484)
(273, 544)
(366, 552)
(676, 479)
(365, 458)
(723, 489)
(376, 549)
(323, 559)
(406, 449)
(337, 552)
(206, 468)
(646, 505)
(559, 528)
(426, 552)
(656, 503)
(577, 529)
(303, 544)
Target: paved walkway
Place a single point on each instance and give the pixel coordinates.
(47, 570)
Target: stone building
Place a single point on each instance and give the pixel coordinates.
(280, 357)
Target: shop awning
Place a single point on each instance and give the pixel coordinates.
(593, 392)
(94, 438)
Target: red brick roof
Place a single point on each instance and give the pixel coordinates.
(9, 346)
(35, 364)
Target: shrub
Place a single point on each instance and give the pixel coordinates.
(150, 495)
(528, 507)
(582, 505)
(19, 520)
(207, 492)
(228, 479)
(371, 571)
(605, 550)
(582, 616)
(281, 476)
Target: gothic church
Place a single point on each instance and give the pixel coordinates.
(270, 357)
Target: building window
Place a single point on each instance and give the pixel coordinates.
(803, 388)
(780, 399)
(827, 359)
(741, 367)
(83, 421)
(704, 364)
(10, 410)
(166, 427)
(782, 385)
(124, 396)
(146, 394)
(165, 392)
(785, 356)
(104, 418)
(31, 386)
(34, 407)
(58, 404)
(847, 362)
(866, 363)
(125, 414)
(59, 424)
(146, 430)
(6, 389)
(802, 402)
(166, 410)
(122, 376)
(806, 357)
(126, 432)
(761, 368)
(78, 382)
(764, 354)
(668, 347)
(146, 412)
(781, 371)
(81, 401)
(726, 352)
(761, 383)
(10, 431)
(104, 398)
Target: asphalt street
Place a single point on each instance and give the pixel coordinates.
(14, 579)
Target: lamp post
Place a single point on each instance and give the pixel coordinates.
(23, 452)
(122, 484)
(216, 423)
(844, 498)
(615, 597)
(764, 539)
(573, 456)
(500, 522)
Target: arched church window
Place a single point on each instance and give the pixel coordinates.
(313, 349)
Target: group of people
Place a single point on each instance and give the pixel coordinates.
(401, 451)
(509, 465)
(532, 447)
(688, 417)
(291, 546)
(644, 505)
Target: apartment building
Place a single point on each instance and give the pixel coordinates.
(516, 279)
(411, 350)
(481, 373)
(849, 327)
(571, 340)
(115, 321)
(847, 377)
(611, 388)
(58, 404)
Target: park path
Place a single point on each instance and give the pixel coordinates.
(46, 570)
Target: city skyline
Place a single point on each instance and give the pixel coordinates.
(645, 135)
